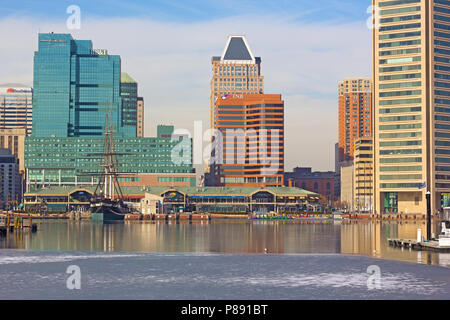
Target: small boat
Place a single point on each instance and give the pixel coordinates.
(291, 218)
(444, 237)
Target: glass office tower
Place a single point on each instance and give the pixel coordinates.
(74, 87)
(128, 92)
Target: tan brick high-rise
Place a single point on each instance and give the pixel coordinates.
(411, 75)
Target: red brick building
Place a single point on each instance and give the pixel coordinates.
(318, 182)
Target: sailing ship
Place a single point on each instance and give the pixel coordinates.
(107, 202)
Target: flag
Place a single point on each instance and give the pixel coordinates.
(423, 185)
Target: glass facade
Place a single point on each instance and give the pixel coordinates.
(391, 202)
(72, 160)
(129, 94)
(75, 87)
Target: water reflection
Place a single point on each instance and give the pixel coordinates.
(228, 236)
(371, 239)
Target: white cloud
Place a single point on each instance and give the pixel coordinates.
(172, 64)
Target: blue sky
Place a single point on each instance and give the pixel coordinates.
(196, 10)
(306, 46)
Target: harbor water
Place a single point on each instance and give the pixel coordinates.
(220, 260)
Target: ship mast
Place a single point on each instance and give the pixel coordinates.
(108, 183)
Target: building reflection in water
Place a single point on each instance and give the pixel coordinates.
(228, 236)
(371, 239)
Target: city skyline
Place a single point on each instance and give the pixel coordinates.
(206, 152)
(177, 60)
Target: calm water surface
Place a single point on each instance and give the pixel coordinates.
(219, 260)
(229, 237)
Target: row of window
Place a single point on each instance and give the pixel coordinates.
(401, 160)
(401, 126)
(404, 151)
(400, 118)
(401, 168)
(400, 143)
(400, 10)
(400, 101)
(400, 110)
(400, 85)
(400, 35)
(401, 177)
(400, 52)
(400, 135)
(399, 43)
(400, 19)
(399, 185)
(396, 2)
(400, 93)
(401, 77)
(399, 60)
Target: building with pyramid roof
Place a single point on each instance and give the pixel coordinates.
(236, 71)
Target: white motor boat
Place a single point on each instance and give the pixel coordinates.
(444, 237)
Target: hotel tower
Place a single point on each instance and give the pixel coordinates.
(411, 99)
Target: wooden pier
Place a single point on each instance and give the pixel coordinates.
(418, 246)
(12, 222)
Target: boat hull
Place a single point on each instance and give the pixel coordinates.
(106, 212)
(106, 216)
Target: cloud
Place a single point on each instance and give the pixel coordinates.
(171, 61)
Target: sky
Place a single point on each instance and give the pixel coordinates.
(306, 48)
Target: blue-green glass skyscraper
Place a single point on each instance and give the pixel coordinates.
(74, 87)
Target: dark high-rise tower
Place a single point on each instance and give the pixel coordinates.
(128, 92)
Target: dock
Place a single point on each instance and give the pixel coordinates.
(168, 217)
(418, 246)
(12, 223)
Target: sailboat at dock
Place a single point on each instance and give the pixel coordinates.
(107, 203)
